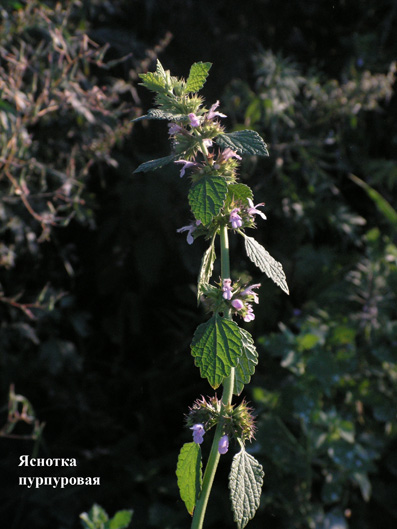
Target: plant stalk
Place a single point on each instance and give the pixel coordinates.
(227, 396)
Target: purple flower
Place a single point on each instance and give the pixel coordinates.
(248, 292)
(235, 219)
(253, 211)
(228, 153)
(194, 120)
(174, 128)
(249, 315)
(212, 114)
(237, 304)
(223, 445)
(190, 229)
(198, 433)
(227, 289)
(186, 165)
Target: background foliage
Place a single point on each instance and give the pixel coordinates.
(91, 263)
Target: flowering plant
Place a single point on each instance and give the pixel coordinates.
(223, 351)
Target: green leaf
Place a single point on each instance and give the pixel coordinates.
(197, 76)
(154, 81)
(188, 472)
(239, 192)
(207, 197)
(216, 347)
(158, 81)
(381, 203)
(243, 142)
(155, 113)
(120, 520)
(246, 363)
(245, 484)
(265, 262)
(207, 265)
(155, 164)
(160, 70)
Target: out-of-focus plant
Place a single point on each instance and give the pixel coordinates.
(56, 123)
(57, 126)
(327, 424)
(20, 410)
(97, 518)
(317, 129)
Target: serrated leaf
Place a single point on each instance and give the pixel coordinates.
(243, 142)
(207, 197)
(155, 113)
(189, 475)
(238, 193)
(120, 520)
(246, 363)
(197, 76)
(154, 82)
(245, 485)
(207, 265)
(216, 348)
(160, 70)
(266, 263)
(155, 164)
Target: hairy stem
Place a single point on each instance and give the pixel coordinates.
(227, 395)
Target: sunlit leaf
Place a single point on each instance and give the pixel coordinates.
(216, 347)
(189, 474)
(266, 263)
(245, 484)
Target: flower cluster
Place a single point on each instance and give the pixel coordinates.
(205, 412)
(196, 135)
(244, 214)
(238, 422)
(241, 299)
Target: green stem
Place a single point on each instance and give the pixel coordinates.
(227, 396)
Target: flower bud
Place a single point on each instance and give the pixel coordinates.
(198, 433)
(237, 304)
(223, 445)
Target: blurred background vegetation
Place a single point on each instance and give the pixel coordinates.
(97, 302)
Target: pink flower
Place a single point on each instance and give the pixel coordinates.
(228, 153)
(248, 292)
(253, 211)
(186, 165)
(194, 120)
(174, 128)
(237, 304)
(235, 219)
(249, 315)
(223, 445)
(190, 229)
(212, 114)
(227, 289)
(198, 433)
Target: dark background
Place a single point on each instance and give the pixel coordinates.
(107, 366)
